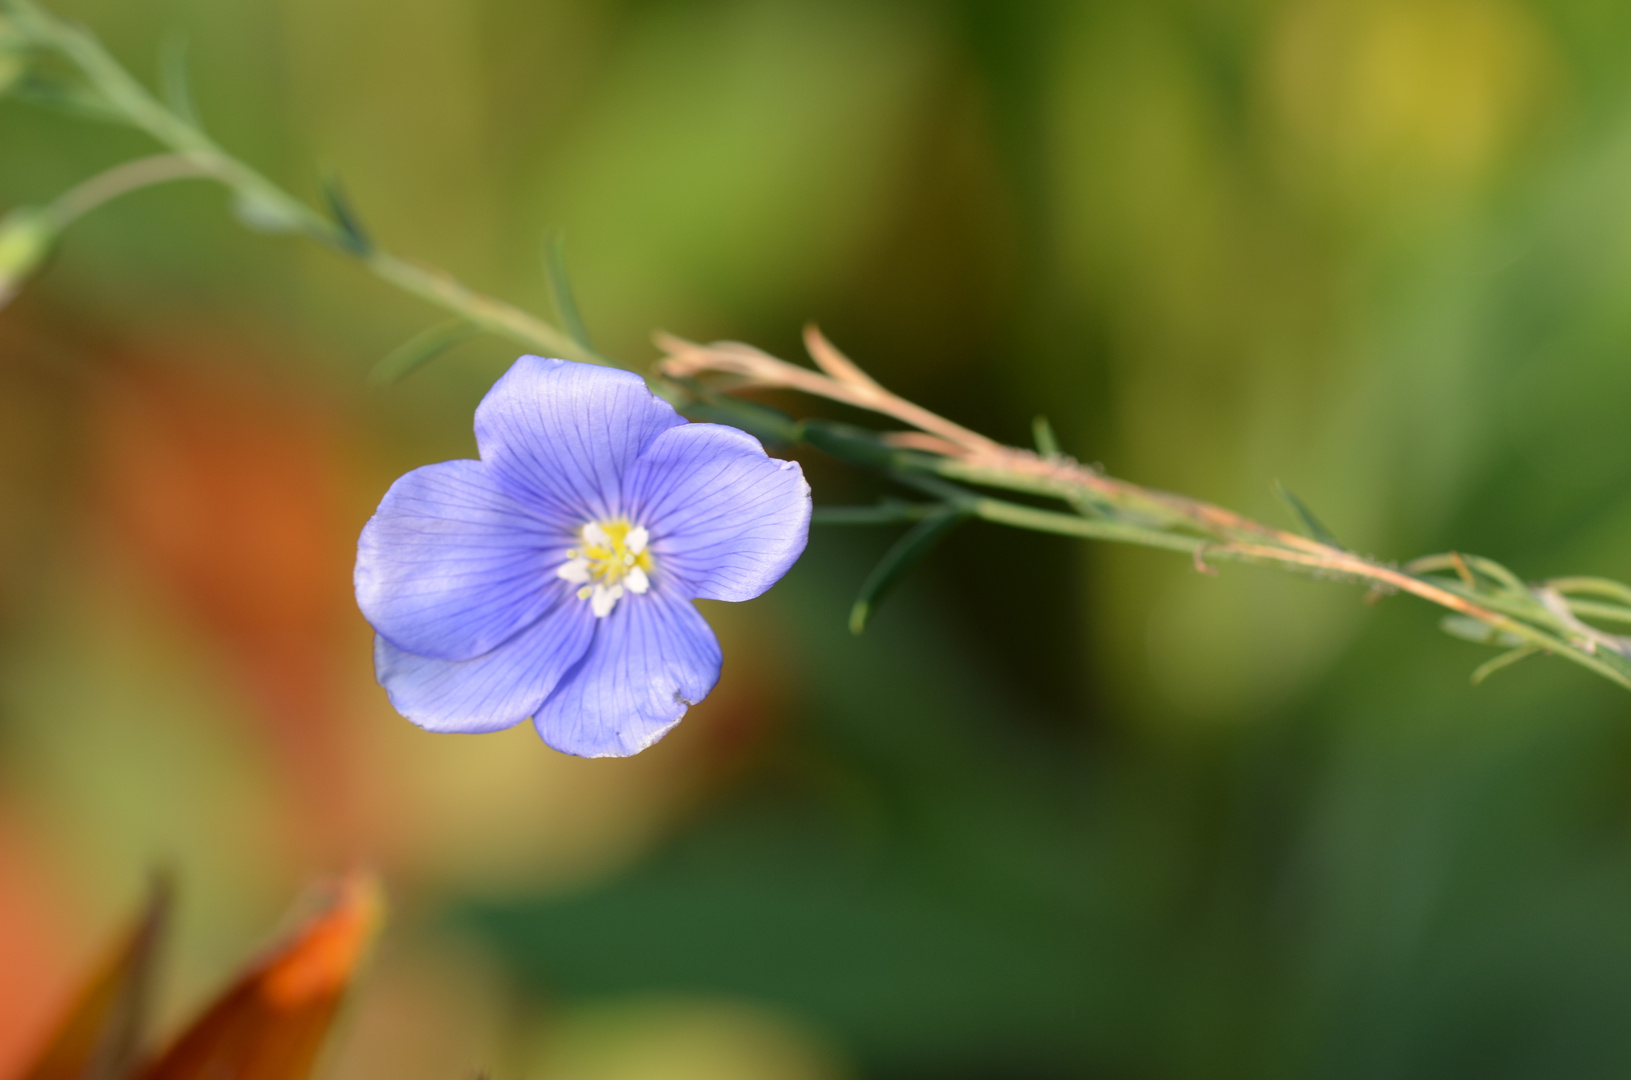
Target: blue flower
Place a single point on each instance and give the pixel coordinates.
(553, 578)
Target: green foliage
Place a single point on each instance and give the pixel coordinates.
(1356, 886)
(1311, 526)
(913, 546)
(421, 349)
(28, 235)
(560, 290)
(1071, 809)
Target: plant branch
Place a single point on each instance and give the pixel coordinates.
(937, 450)
(933, 454)
(259, 200)
(76, 202)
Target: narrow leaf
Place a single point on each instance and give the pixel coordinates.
(270, 1024)
(770, 426)
(420, 349)
(1047, 444)
(102, 1033)
(1505, 660)
(1467, 628)
(352, 236)
(1591, 609)
(1311, 525)
(1594, 586)
(856, 445)
(907, 552)
(71, 98)
(560, 289)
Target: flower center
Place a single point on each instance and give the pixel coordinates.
(612, 559)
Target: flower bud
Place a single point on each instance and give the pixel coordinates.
(27, 236)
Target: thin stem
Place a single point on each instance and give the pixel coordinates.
(938, 451)
(1128, 513)
(76, 202)
(494, 316)
(1027, 517)
(1591, 609)
(849, 385)
(205, 158)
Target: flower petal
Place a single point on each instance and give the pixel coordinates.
(565, 434)
(726, 519)
(652, 658)
(491, 692)
(451, 567)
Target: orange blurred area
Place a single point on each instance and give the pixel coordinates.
(227, 491)
(273, 1022)
(327, 952)
(39, 946)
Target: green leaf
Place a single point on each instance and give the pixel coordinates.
(352, 236)
(417, 350)
(1591, 609)
(1311, 525)
(907, 552)
(67, 97)
(856, 445)
(1467, 628)
(560, 289)
(1047, 444)
(770, 426)
(1505, 660)
(1593, 586)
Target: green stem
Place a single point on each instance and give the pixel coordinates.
(76, 202)
(1132, 514)
(1051, 521)
(1590, 609)
(271, 204)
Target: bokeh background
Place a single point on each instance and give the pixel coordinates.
(1064, 810)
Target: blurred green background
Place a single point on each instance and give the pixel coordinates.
(1065, 810)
